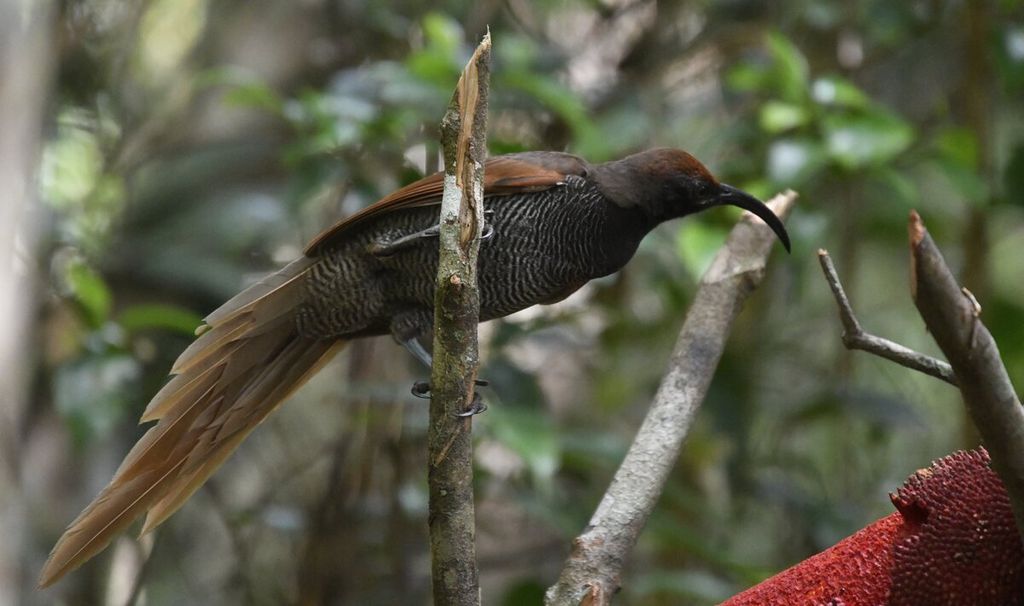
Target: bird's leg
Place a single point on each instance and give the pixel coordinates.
(488, 229)
(416, 348)
(412, 335)
(486, 232)
(388, 248)
(476, 407)
(421, 389)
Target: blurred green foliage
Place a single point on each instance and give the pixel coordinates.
(193, 146)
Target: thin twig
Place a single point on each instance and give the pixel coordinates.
(854, 336)
(456, 314)
(953, 319)
(591, 574)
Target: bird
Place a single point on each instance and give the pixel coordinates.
(553, 222)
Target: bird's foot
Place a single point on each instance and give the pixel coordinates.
(387, 248)
(486, 232)
(421, 389)
(476, 407)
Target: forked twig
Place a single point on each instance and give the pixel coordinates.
(854, 336)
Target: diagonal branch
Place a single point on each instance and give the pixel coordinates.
(854, 336)
(456, 314)
(953, 317)
(591, 575)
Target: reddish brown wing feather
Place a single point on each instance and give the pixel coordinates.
(503, 175)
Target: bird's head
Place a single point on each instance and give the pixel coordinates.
(670, 183)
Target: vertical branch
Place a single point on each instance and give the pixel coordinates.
(456, 314)
(591, 575)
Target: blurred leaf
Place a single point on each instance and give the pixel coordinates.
(528, 591)
(530, 435)
(90, 291)
(1003, 315)
(857, 141)
(905, 190)
(792, 162)
(881, 408)
(958, 145)
(244, 89)
(433, 67)
(760, 188)
(254, 95)
(957, 159)
(442, 32)
(93, 394)
(1010, 54)
(699, 585)
(792, 71)
(822, 407)
(584, 450)
(438, 62)
(613, 135)
(777, 116)
(966, 181)
(748, 77)
(517, 53)
(1014, 176)
(166, 317)
(836, 91)
(867, 404)
(667, 532)
(555, 96)
(71, 165)
(697, 243)
(167, 31)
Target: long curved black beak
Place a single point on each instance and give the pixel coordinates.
(729, 195)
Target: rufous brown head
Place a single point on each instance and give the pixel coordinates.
(670, 183)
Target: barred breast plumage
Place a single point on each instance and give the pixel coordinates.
(352, 291)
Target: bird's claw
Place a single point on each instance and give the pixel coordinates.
(476, 407)
(421, 389)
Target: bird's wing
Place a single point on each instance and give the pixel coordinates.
(503, 175)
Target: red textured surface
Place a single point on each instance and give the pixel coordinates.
(951, 542)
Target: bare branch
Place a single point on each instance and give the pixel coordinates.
(456, 314)
(854, 336)
(953, 318)
(592, 572)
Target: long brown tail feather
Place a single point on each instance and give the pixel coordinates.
(216, 450)
(247, 361)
